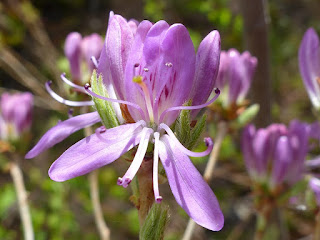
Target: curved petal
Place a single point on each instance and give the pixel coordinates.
(118, 42)
(95, 151)
(72, 50)
(135, 57)
(190, 190)
(282, 159)
(309, 62)
(178, 50)
(61, 131)
(91, 46)
(207, 66)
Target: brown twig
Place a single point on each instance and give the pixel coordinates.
(22, 196)
(102, 227)
(98, 216)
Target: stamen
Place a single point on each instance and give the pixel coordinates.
(139, 80)
(94, 61)
(217, 92)
(67, 81)
(93, 94)
(138, 158)
(208, 142)
(157, 196)
(146, 69)
(64, 101)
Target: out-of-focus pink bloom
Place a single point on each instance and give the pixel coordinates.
(15, 114)
(309, 63)
(80, 50)
(276, 154)
(235, 75)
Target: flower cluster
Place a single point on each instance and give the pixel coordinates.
(148, 71)
(15, 115)
(275, 156)
(235, 76)
(82, 52)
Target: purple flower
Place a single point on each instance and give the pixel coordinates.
(77, 49)
(309, 63)
(15, 114)
(314, 184)
(153, 70)
(235, 75)
(276, 154)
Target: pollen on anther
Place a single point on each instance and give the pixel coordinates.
(87, 86)
(169, 64)
(146, 69)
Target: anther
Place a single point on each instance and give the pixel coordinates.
(158, 199)
(70, 112)
(217, 90)
(169, 64)
(136, 65)
(208, 141)
(119, 181)
(87, 86)
(50, 83)
(146, 69)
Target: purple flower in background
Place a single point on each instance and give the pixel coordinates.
(15, 114)
(309, 63)
(314, 184)
(78, 49)
(276, 154)
(153, 70)
(235, 75)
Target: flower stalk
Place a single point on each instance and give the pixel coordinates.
(146, 196)
(22, 196)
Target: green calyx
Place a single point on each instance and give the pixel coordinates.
(104, 108)
(188, 134)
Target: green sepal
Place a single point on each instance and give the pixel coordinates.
(187, 135)
(155, 223)
(104, 108)
(182, 125)
(248, 115)
(197, 131)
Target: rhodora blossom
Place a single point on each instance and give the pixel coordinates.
(275, 155)
(309, 63)
(15, 115)
(152, 70)
(78, 49)
(235, 75)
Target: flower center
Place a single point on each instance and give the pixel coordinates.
(139, 80)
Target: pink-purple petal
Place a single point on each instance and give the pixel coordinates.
(309, 62)
(95, 151)
(207, 66)
(190, 190)
(61, 131)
